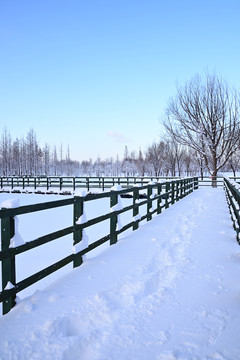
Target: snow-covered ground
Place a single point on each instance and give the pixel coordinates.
(167, 291)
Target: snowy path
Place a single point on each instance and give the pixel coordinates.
(168, 291)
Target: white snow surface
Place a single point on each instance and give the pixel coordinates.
(167, 291)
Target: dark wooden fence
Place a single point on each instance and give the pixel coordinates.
(67, 185)
(156, 197)
(232, 190)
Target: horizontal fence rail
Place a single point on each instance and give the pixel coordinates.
(66, 185)
(156, 197)
(232, 191)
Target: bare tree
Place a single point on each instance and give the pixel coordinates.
(16, 157)
(141, 164)
(234, 162)
(156, 155)
(31, 151)
(126, 163)
(205, 116)
(5, 152)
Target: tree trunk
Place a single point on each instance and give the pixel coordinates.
(214, 179)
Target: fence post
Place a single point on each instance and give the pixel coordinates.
(173, 192)
(149, 202)
(191, 184)
(102, 183)
(184, 187)
(113, 218)
(195, 183)
(167, 195)
(159, 189)
(135, 207)
(177, 190)
(8, 265)
(181, 188)
(77, 235)
(87, 183)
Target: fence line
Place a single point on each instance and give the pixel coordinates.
(166, 194)
(232, 191)
(65, 185)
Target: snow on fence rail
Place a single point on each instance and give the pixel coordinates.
(67, 184)
(158, 197)
(232, 190)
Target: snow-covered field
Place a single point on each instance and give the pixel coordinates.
(168, 291)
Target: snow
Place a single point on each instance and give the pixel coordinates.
(82, 219)
(119, 223)
(151, 183)
(9, 286)
(10, 203)
(116, 188)
(137, 217)
(83, 244)
(16, 240)
(81, 193)
(167, 291)
(118, 206)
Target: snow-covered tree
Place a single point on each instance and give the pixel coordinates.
(204, 115)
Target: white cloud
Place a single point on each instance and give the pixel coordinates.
(118, 137)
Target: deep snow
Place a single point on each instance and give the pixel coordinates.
(167, 291)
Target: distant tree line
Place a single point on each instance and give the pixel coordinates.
(25, 156)
(167, 157)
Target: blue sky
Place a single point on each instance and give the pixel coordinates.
(97, 74)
